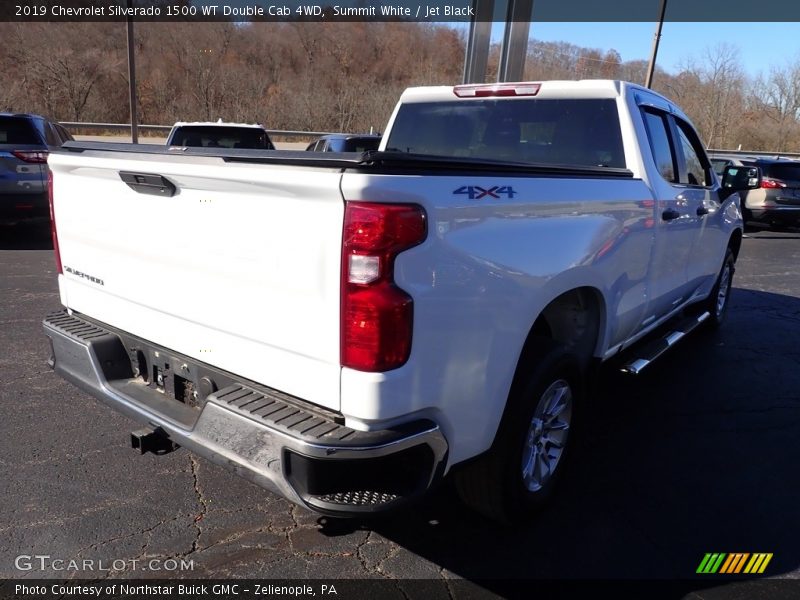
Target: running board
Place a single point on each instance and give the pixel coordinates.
(656, 348)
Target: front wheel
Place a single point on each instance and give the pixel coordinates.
(717, 303)
(534, 439)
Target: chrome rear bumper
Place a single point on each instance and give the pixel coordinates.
(274, 440)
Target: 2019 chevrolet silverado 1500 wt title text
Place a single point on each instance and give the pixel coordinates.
(348, 329)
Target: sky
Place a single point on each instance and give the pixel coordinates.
(761, 45)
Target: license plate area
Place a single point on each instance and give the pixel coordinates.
(180, 379)
(171, 375)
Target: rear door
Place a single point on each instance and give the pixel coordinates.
(239, 268)
(674, 224)
(700, 193)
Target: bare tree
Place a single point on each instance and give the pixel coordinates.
(711, 89)
(345, 76)
(777, 96)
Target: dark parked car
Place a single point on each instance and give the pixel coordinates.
(25, 141)
(345, 142)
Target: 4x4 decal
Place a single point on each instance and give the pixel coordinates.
(475, 192)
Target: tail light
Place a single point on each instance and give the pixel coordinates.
(53, 231)
(377, 316)
(772, 184)
(31, 156)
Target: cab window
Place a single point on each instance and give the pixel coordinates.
(660, 145)
(697, 168)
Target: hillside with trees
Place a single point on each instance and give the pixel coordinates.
(345, 76)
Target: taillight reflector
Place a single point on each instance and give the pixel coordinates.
(31, 156)
(53, 231)
(772, 184)
(376, 315)
(497, 90)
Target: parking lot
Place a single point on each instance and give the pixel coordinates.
(698, 454)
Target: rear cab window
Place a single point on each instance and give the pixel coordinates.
(221, 137)
(573, 132)
(787, 172)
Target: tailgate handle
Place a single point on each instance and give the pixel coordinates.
(148, 183)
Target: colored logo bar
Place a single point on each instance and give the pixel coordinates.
(736, 562)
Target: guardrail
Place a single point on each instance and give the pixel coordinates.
(125, 128)
(756, 153)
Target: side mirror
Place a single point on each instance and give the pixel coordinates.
(738, 179)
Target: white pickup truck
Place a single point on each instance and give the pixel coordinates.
(347, 329)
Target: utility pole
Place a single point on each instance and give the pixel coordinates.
(652, 66)
(518, 14)
(478, 42)
(132, 78)
(515, 40)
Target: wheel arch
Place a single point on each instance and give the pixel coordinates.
(735, 243)
(575, 318)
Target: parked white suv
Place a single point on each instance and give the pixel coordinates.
(220, 135)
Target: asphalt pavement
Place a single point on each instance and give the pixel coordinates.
(698, 454)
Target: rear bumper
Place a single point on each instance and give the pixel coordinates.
(24, 208)
(776, 214)
(276, 441)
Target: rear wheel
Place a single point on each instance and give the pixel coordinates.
(534, 439)
(717, 303)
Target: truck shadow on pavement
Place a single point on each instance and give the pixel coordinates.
(697, 454)
(774, 232)
(25, 238)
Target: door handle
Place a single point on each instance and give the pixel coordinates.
(670, 214)
(701, 211)
(152, 184)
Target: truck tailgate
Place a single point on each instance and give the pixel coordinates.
(240, 268)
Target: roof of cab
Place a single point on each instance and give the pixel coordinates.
(585, 88)
(219, 123)
(555, 89)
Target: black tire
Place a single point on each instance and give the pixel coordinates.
(717, 303)
(495, 484)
